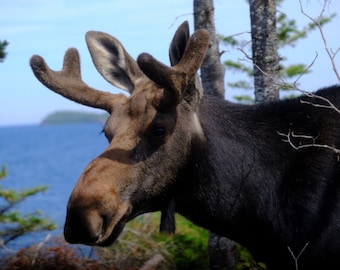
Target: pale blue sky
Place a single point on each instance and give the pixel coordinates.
(48, 28)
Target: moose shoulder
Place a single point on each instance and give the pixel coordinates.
(266, 176)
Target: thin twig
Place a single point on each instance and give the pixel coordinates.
(248, 58)
(40, 245)
(291, 134)
(153, 262)
(306, 70)
(298, 256)
(180, 16)
(329, 106)
(329, 51)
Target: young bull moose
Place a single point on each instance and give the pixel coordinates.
(262, 175)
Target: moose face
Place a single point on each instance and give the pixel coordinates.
(129, 177)
(149, 133)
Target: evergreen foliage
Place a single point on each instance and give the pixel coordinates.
(13, 224)
(288, 34)
(3, 54)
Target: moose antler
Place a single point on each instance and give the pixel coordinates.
(176, 78)
(68, 82)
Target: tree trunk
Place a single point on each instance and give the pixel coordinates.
(212, 71)
(221, 249)
(266, 68)
(264, 49)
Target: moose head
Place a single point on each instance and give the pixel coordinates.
(149, 131)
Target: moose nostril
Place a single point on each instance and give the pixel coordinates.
(83, 228)
(70, 236)
(81, 236)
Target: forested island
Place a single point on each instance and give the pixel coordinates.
(73, 117)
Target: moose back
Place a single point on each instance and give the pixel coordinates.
(266, 176)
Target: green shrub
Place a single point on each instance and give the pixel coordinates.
(13, 224)
(141, 240)
(187, 249)
(189, 246)
(245, 261)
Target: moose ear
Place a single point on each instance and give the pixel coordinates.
(178, 43)
(176, 51)
(112, 61)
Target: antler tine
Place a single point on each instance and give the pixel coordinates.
(68, 82)
(176, 78)
(194, 52)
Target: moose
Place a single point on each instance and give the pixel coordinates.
(265, 175)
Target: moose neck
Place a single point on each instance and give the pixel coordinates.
(222, 169)
(237, 181)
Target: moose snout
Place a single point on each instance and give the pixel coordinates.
(97, 211)
(83, 228)
(93, 228)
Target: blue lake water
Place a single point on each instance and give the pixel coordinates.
(52, 155)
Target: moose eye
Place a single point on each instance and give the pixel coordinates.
(158, 131)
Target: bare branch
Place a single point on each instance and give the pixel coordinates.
(48, 236)
(329, 104)
(304, 72)
(317, 22)
(288, 138)
(281, 81)
(298, 256)
(178, 17)
(248, 58)
(153, 262)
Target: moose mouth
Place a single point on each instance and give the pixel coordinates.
(111, 233)
(112, 230)
(105, 241)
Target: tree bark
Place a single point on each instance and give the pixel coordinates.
(264, 50)
(266, 68)
(212, 71)
(221, 249)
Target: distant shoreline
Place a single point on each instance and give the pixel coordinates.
(73, 117)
